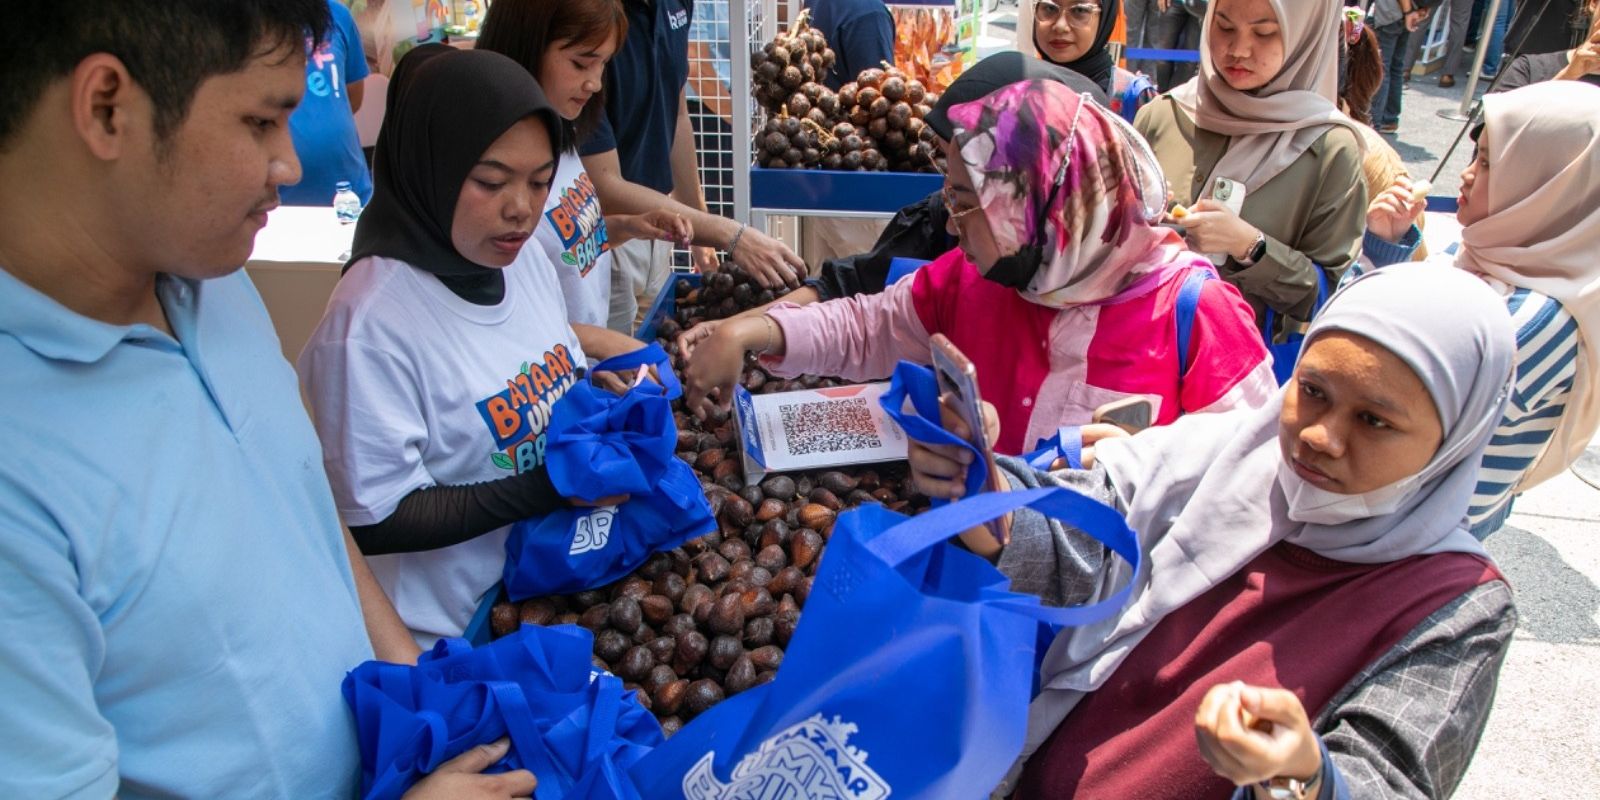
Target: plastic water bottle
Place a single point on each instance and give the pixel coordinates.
(346, 204)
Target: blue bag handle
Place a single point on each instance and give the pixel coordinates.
(1095, 519)
(1188, 304)
(1322, 298)
(603, 717)
(1067, 444)
(650, 355)
(554, 782)
(917, 382)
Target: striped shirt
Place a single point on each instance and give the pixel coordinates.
(1547, 367)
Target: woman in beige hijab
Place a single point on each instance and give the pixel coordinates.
(1262, 115)
(1530, 213)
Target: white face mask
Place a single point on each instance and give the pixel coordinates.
(1317, 506)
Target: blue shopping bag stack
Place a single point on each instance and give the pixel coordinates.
(909, 675)
(575, 728)
(602, 444)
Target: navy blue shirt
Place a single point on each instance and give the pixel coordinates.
(643, 82)
(860, 32)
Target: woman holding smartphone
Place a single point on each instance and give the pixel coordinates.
(1261, 119)
(1064, 292)
(1313, 618)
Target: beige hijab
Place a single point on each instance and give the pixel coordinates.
(1543, 230)
(1270, 127)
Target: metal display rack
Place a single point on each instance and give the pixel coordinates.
(765, 193)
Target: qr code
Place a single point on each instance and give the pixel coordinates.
(829, 427)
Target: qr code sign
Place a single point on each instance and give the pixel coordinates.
(828, 426)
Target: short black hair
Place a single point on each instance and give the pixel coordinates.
(169, 47)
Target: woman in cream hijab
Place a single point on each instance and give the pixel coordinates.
(1313, 609)
(1530, 211)
(1262, 115)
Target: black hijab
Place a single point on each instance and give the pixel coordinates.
(445, 107)
(997, 72)
(1096, 63)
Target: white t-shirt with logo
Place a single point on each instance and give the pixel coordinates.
(573, 236)
(412, 386)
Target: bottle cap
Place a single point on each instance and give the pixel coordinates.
(342, 186)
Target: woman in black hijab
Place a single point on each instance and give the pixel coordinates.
(424, 155)
(446, 343)
(1075, 34)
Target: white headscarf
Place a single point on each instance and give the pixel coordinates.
(1203, 493)
(1543, 231)
(1268, 128)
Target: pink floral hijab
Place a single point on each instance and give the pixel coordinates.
(1095, 229)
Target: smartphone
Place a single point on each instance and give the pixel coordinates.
(958, 380)
(1228, 192)
(1132, 414)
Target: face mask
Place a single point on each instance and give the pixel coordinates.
(1316, 506)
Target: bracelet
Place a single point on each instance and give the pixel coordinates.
(770, 326)
(733, 244)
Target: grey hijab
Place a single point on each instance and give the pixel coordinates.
(1203, 492)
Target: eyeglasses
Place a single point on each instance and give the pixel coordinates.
(1079, 15)
(948, 195)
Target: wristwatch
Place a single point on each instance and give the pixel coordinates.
(1293, 788)
(1257, 252)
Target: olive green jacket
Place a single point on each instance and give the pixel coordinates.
(1313, 213)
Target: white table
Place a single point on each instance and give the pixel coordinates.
(295, 265)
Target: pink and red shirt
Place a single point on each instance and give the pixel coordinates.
(1041, 367)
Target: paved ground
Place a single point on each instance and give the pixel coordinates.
(1425, 137)
(1543, 739)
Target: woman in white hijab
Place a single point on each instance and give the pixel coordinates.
(1530, 211)
(1315, 610)
(1262, 114)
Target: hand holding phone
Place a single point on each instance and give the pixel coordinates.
(958, 386)
(1132, 414)
(1213, 226)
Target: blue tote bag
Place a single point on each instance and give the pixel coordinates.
(909, 676)
(573, 727)
(601, 444)
(1286, 354)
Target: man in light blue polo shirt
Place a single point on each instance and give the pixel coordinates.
(179, 604)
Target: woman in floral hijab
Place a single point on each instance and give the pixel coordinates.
(1063, 292)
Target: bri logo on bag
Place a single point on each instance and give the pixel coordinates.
(810, 759)
(592, 531)
(518, 415)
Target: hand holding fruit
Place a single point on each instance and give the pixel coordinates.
(1391, 214)
(1212, 227)
(1249, 734)
(659, 225)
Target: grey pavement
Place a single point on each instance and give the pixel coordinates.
(1543, 738)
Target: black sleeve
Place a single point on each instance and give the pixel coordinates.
(439, 516)
(917, 231)
(1528, 69)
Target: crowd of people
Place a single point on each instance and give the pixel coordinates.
(1334, 428)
